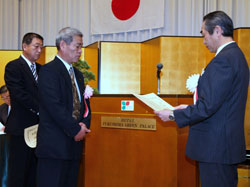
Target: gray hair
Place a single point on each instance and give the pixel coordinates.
(66, 34)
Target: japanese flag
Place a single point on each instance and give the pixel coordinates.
(113, 16)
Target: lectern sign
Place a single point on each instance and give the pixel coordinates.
(128, 123)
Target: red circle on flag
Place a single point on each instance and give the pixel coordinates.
(124, 9)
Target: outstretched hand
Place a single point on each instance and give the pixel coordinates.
(163, 114)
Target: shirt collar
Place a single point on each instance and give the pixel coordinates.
(27, 61)
(65, 63)
(222, 46)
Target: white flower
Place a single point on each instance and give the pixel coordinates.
(88, 92)
(192, 82)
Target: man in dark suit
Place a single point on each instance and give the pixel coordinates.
(64, 114)
(4, 139)
(216, 134)
(21, 80)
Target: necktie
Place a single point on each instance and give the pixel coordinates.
(76, 101)
(33, 69)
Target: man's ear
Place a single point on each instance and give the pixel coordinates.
(218, 30)
(62, 44)
(24, 45)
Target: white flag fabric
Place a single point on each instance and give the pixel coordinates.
(113, 16)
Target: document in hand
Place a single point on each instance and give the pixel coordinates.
(30, 135)
(154, 101)
(1, 128)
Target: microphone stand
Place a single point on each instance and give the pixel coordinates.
(158, 77)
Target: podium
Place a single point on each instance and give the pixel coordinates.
(119, 155)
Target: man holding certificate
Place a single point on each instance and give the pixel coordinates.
(216, 120)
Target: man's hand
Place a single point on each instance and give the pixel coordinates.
(82, 133)
(163, 114)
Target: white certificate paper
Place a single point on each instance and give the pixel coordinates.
(154, 102)
(30, 135)
(1, 128)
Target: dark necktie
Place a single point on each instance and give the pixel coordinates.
(33, 69)
(76, 101)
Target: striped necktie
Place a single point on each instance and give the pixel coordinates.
(76, 100)
(33, 69)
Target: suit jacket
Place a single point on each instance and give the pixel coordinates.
(216, 133)
(3, 113)
(24, 96)
(57, 126)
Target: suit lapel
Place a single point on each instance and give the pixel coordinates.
(27, 70)
(64, 72)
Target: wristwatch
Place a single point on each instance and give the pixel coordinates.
(171, 116)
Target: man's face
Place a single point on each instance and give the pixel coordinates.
(6, 97)
(33, 51)
(210, 41)
(73, 51)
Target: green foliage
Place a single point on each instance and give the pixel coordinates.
(83, 66)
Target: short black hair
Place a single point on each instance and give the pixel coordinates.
(3, 89)
(28, 37)
(219, 18)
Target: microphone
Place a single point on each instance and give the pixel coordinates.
(159, 67)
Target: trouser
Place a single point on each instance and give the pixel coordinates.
(218, 175)
(57, 172)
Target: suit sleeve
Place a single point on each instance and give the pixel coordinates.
(18, 88)
(53, 102)
(213, 88)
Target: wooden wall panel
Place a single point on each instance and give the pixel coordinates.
(47, 55)
(91, 56)
(181, 57)
(120, 68)
(5, 57)
(150, 57)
